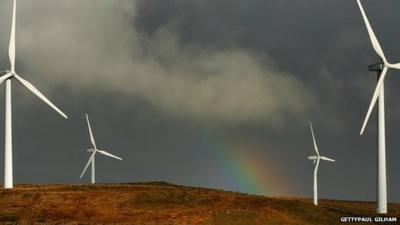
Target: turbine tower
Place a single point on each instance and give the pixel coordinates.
(11, 74)
(381, 68)
(94, 150)
(316, 159)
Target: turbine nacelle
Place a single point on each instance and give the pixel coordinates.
(377, 67)
(313, 157)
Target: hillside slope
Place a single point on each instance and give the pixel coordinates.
(165, 204)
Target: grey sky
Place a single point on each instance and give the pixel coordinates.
(168, 83)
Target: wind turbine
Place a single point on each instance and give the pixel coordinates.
(11, 74)
(381, 68)
(94, 150)
(316, 159)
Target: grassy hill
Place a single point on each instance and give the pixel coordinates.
(165, 204)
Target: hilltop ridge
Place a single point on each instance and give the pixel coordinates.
(161, 203)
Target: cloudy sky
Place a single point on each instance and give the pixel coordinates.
(211, 93)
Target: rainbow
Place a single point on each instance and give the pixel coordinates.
(245, 169)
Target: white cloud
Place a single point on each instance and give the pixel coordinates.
(94, 44)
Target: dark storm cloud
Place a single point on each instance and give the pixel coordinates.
(157, 75)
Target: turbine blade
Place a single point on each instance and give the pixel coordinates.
(109, 154)
(315, 142)
(395, 66)
(11, 48)
(374, 98)
(372, 36)
(5, 77)
(32, 88)
(327, 159)
(88, 163)
(90, 132)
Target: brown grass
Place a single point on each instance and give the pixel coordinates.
(165, 204)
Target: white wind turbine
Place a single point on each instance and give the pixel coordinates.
(382, 69)
(316, 159)
(94, 150)
(8, 165)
